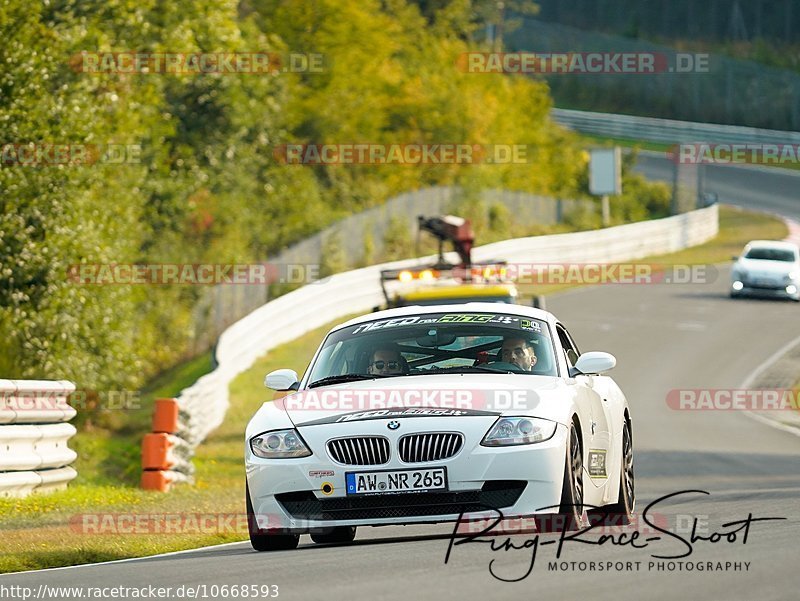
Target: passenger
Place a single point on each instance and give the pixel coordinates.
(387, 361)
(518, 351)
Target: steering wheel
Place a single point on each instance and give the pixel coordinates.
(505, 366)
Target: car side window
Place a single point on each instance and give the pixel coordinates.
(570, 349)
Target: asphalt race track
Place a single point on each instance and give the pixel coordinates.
(755, 188)
(665, 337)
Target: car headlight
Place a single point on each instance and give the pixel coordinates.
(518, 430)
(279, 444)
(793, 275)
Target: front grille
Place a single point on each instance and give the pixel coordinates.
(359, 450)
(495, 494)
(766, 282)
(762, 285)
(434, 446)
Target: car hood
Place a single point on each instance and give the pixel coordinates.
(761, 266)
(441, 395)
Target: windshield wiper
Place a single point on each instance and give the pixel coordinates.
(345, 378)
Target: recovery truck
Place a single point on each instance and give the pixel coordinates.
(444, 282)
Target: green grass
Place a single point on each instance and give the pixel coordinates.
(626, 143)
(36, 531)
(108, 440)
(736, 228)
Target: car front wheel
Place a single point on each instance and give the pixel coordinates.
(571, 509)
(263, 540)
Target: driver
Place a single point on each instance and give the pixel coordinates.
(386, 361)
(518, 351)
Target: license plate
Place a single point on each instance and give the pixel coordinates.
(396, 481)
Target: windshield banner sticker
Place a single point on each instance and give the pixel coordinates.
(477, 318)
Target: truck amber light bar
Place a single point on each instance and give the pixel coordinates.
(426, 275)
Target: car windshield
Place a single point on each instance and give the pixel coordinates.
(435, 343)
(770, 254)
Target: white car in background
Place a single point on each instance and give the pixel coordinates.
(767, 268)
(455, 429)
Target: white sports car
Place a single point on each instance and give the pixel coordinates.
(439, 414)
(767, 268)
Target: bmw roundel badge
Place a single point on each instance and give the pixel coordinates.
(393, 425)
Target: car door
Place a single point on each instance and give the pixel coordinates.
(591, 389)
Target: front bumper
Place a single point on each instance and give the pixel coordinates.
(773, 290)
(304, 494)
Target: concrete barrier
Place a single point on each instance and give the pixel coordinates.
(34, 436)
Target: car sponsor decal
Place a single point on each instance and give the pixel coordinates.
(464, 317)
(477, 318)
(320, 473)
(597, 464)
(398, 413)
(388, 323)
(529, 324)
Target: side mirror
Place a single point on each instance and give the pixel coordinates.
(595, 362)
(282, 379)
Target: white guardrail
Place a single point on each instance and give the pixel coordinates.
(34, 456)
(668, 130)
(314, 305)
